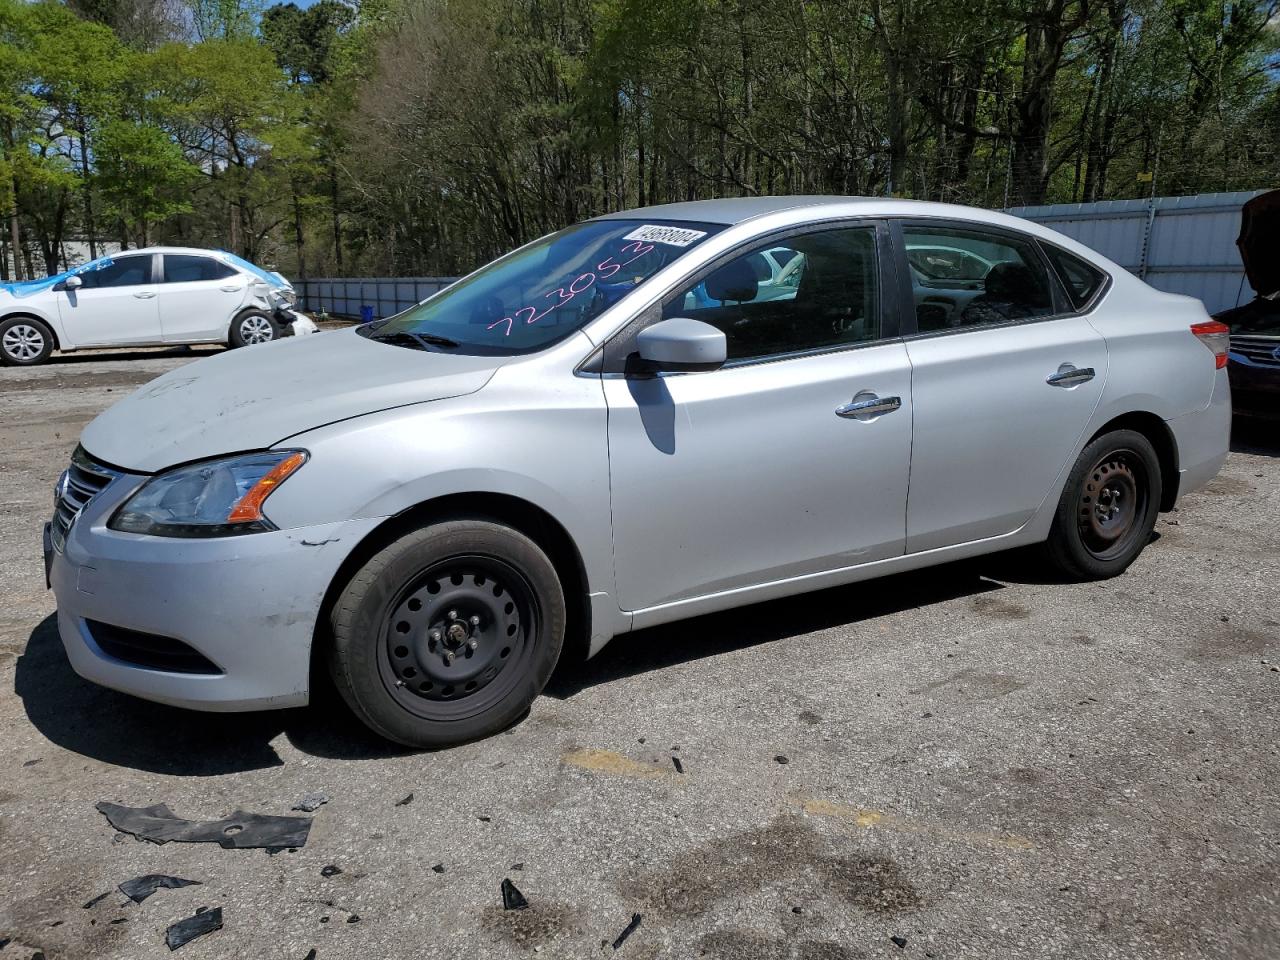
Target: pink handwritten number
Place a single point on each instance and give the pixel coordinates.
(580, 284)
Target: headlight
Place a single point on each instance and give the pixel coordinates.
(216, 498)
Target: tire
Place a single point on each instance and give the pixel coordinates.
(448, 634)
(1108, 507)
(25, 342)
(253, 326)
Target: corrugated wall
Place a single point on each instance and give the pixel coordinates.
(1180, 244)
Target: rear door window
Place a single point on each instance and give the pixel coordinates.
(965, 276)
(184, 268)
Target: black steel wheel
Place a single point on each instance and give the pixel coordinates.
(1108, 507)
(449, 633)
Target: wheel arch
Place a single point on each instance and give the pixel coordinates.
(519, 514)
(43, 321)
(1157, 431)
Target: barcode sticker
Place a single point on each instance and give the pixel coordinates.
(673, 236)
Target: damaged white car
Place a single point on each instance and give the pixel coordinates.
(150, 297)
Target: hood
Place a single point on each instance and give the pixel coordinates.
(1259, 242)
(255, 397)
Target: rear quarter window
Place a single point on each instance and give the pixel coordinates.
(1081, 279)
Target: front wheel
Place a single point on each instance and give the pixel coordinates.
(254, 326)
(448, 634)
(25, 341)
(1108, 507)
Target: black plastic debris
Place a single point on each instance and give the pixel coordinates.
(780, 759)
(97, 900)
(512, 898)
(484, 819)
(239, 831)
(677, 764)
(518, 866)
(354, 918)
(901, 942)
(184, 931)
(630, 929)
(311, 954)
(312, 802)
(332, 870)
(438, 868)
(139, 888)
(407, 800)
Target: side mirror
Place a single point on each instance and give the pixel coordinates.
(681, 345)
(72, 283)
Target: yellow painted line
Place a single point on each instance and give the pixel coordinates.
(879, 820)
(613, 764)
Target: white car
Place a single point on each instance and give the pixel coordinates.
(149, 297)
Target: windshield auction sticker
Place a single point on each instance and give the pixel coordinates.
(672, 236)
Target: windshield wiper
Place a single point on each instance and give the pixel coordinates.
(421, 340)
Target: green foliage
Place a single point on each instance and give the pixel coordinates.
(422, 136)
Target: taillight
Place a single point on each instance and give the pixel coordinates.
(1217, 337)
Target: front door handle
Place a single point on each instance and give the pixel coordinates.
(231, 288)
(866, 405)
(1069, 375)
(145, 294)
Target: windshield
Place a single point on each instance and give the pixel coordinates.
(543, 292)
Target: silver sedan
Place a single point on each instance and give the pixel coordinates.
(619, 425)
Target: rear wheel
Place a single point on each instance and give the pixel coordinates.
(1108, 507)
(448, 634)
(254, 326)
(25, 341)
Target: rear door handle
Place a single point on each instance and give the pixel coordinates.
(1069, 375)
(145, 294)
(867, 405)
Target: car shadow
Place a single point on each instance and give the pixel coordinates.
(126, 355)
(122, 730)
(1258, 437)
(125, 731)
(656, 648)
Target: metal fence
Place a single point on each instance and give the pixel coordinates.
(370, 298)
(1179, 244)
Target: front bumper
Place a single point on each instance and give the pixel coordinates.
(248, 604)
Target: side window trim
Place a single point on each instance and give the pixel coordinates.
(607, 361)
(1096, 298)
(1062, 306)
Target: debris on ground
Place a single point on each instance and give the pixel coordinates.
(438, 868)
(780, 759)
(32, 763)
(184, 931)
(332, 870)
(97, 900)
(484, 819)
(630, 929)
(901, 942)
(678, 765)
(512, 898)
(354, 918)
(518, 866)
(239, 831)
(405, 801)
(312, 802)
(311, 954)
(139, 888)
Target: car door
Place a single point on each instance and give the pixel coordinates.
(199, 295)
(791, 459)
(1001, 392)
(115, 305)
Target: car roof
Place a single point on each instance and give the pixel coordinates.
(733, 210)
(200, 251)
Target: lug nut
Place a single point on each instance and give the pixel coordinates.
(435, 635)
(473, 644)
(453, 614)
(475, 621)
(448, 657)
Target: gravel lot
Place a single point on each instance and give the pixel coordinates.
(971, 760)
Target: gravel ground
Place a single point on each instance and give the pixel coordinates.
(972, 761)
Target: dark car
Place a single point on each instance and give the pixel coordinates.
(1254, 359)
